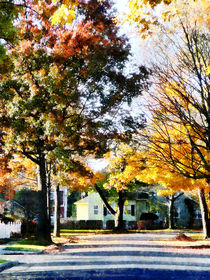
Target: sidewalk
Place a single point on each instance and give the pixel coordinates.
(8, 264)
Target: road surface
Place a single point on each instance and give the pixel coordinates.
(116, 256)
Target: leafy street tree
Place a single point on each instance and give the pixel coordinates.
(129, 165)
(66, 90)
(179, 102)
(121, 173)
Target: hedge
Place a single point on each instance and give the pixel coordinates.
(83, 224)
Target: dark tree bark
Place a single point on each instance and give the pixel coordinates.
(118, 215)
(49, 191)
(171, 199)
(119, 224)
(56, 231)
(204, 213)
(171, 213)
(108, 206)
(44, 222)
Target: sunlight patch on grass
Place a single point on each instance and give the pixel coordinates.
(3, 261)
(24, 247)
(196, 235)
(27, 245)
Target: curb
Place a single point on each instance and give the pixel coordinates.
(10, 252)
(8, 265)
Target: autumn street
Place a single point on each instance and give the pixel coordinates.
(125, 256)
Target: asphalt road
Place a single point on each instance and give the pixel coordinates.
(126, 256)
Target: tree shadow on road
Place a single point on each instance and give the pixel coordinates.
(111, 274)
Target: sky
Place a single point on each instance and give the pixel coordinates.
(137, 48)
(138, 58)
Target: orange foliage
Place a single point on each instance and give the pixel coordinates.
(6, 186)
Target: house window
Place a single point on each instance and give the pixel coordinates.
(132, 210)
(61, 197)
(105, 211)
(198, 214)
(51, 195)
(95, 209)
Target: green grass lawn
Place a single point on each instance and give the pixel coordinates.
(3, 261)
(32, 245)
(4, 240)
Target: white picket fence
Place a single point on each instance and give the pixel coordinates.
(7, 229)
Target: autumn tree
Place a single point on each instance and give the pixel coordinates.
(167, 183)
(179, 104)
(131, 166)
(122, 170)
(67, 85)
(180, 110)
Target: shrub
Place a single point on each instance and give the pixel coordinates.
(97, 224)
(83, 224)
(28, 228)
(110, 224)
(132, 225)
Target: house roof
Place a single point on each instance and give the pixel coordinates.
(82, 201)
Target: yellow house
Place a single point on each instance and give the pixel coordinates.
(92, 208)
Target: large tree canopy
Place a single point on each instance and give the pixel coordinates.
(179, 103)
(67, 88)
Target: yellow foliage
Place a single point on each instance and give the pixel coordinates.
(208, 70)
(125, 164)
(147, 15)
(64, 14)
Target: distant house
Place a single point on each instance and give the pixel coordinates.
(92, 208)
(187, 213)
(19, 209)
(63, 202)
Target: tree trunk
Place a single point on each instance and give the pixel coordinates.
(171, 200)
(171, 213)
(44, 223)
(56, 232)
(204, 213)
(49, 203)
(48, 192)
(119, 224)
(108, 206)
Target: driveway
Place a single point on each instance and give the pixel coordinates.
(116, 256)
